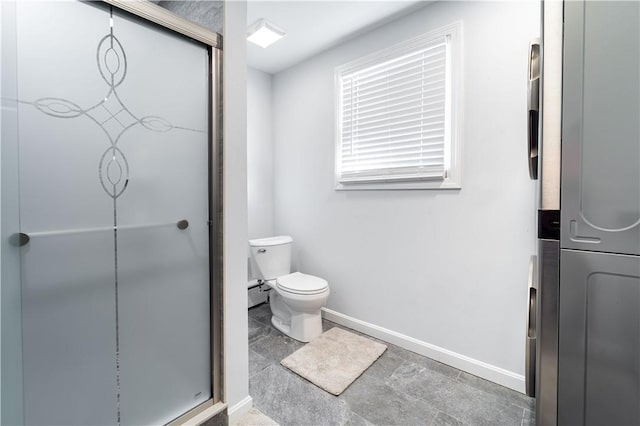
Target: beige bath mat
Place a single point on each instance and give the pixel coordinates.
(334, 359)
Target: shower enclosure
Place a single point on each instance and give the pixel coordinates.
(111, 274)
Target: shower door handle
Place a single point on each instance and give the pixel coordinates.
(21, 239)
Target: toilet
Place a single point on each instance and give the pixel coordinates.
(295, 298)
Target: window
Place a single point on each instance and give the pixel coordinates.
(396, 116)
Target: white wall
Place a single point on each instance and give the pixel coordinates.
(448, 268)
(259, 154)
(236, 363)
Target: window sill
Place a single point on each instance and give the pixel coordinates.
(370, 186)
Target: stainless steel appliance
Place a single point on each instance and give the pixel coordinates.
(583, 335)
(544, 145)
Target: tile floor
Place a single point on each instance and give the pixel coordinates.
(400, 388)
(255, 418)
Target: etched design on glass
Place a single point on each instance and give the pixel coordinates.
(58, 107)
(111, 114)
(114, 170)
(112, 61)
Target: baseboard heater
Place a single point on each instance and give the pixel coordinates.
(258, 293)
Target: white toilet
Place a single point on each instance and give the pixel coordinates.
(295, 298)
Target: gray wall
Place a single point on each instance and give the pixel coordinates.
(259, 154)
(448, 268)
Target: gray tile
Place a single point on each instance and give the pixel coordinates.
(385, 366)
(208, 14)
(529, 418)
(328, 325)
(356, 420)
(257, 363)
(255, 418)
(220, 419)
(443, 419)
(510, 416)
(257, 330)
(515, 398)
(289, 400)
(424, 362)
(458, 400)
(276, 346)
(394, 355)
(401, 387)
(261, 313)
(379, 404)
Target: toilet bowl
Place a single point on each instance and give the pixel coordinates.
(295, 298)
(296, 308)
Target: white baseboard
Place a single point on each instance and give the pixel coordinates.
(237, 411)
(473, 366)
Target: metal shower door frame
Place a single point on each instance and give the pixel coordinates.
(213, 41)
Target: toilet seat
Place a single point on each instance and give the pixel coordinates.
(299, 283)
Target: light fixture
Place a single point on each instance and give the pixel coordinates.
(264, 33)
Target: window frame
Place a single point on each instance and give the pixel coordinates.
(453, 114)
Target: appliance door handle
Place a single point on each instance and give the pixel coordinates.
(532, 326)
(533, 106)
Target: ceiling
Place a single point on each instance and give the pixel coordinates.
(314, 26)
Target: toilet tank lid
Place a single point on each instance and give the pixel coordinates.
(271, 241)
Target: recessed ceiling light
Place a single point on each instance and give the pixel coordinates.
(264, 33)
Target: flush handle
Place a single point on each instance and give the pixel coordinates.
(262, 250)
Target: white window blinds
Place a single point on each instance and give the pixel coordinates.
(392, 119)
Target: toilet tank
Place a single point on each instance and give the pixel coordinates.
(271, 256)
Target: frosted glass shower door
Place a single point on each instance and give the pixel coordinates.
(164, 271)
(113, 138)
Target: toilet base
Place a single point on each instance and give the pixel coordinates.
(302, 327)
